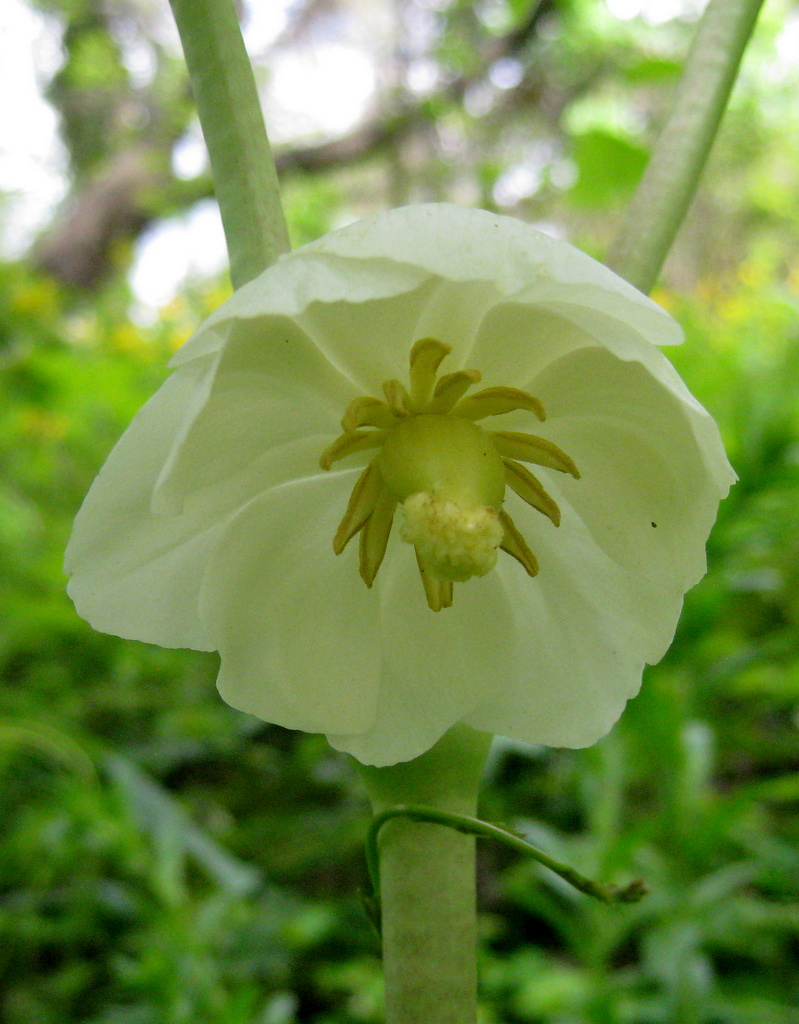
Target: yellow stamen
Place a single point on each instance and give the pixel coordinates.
(438, 592)
(515, 545)
(529, 448)
(398, 398)
(374, 536)
(361, 505)
(450, 389)
(496, 401)
(348, 444)
(367, 412)
(426, 356)
(530, 489)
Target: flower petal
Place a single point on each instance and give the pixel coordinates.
(211, 526)
(652, 464)
(135, 573)
(368, 291)
(270, 385)
(519, 338)
(436, 666)
(291, 285)
(631, 542)
(296, 629)
(580, 656)
(460, 245)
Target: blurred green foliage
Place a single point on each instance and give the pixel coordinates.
(167, 860)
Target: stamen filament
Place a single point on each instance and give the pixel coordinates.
(529, 448)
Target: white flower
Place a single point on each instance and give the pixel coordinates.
(212, 524)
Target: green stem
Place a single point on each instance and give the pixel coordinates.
(427, 882)
(672, 174)
(227, 101)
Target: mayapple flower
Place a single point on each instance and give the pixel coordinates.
(429, 469)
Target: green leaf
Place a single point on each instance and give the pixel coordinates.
(608, 168)
(161, 814)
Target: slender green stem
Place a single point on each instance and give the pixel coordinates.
(243, 169)
(680, 153)
(427, 882)
(483, 829)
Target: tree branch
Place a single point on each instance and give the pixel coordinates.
(137, 185)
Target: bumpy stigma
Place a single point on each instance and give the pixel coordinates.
(448, 474)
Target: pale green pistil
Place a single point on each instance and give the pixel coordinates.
(448, 474)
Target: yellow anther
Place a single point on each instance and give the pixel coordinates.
(426, 357)
(361, 505)
(450, 388)
(398, 398)
(515, 545)
(496, 401)
(438, 592)
(374, 536)
(367, 412)
(530, 489)
(348, 444)
(529, 448)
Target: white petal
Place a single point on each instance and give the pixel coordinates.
(631, 542)
(371, 341)
(647, 453)
(294, 624)
(133, 573)
(578, 662)
(271, 387)
(437, 666)
(517, 340)
(296, 282)
(412, 249)
(459, 244)
(137, 572)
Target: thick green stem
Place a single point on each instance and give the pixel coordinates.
(243, 169)
(672, 174)
(427, 883)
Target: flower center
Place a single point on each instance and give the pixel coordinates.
(448, 474)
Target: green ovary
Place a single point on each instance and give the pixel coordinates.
(447, 457)
(450, 480)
